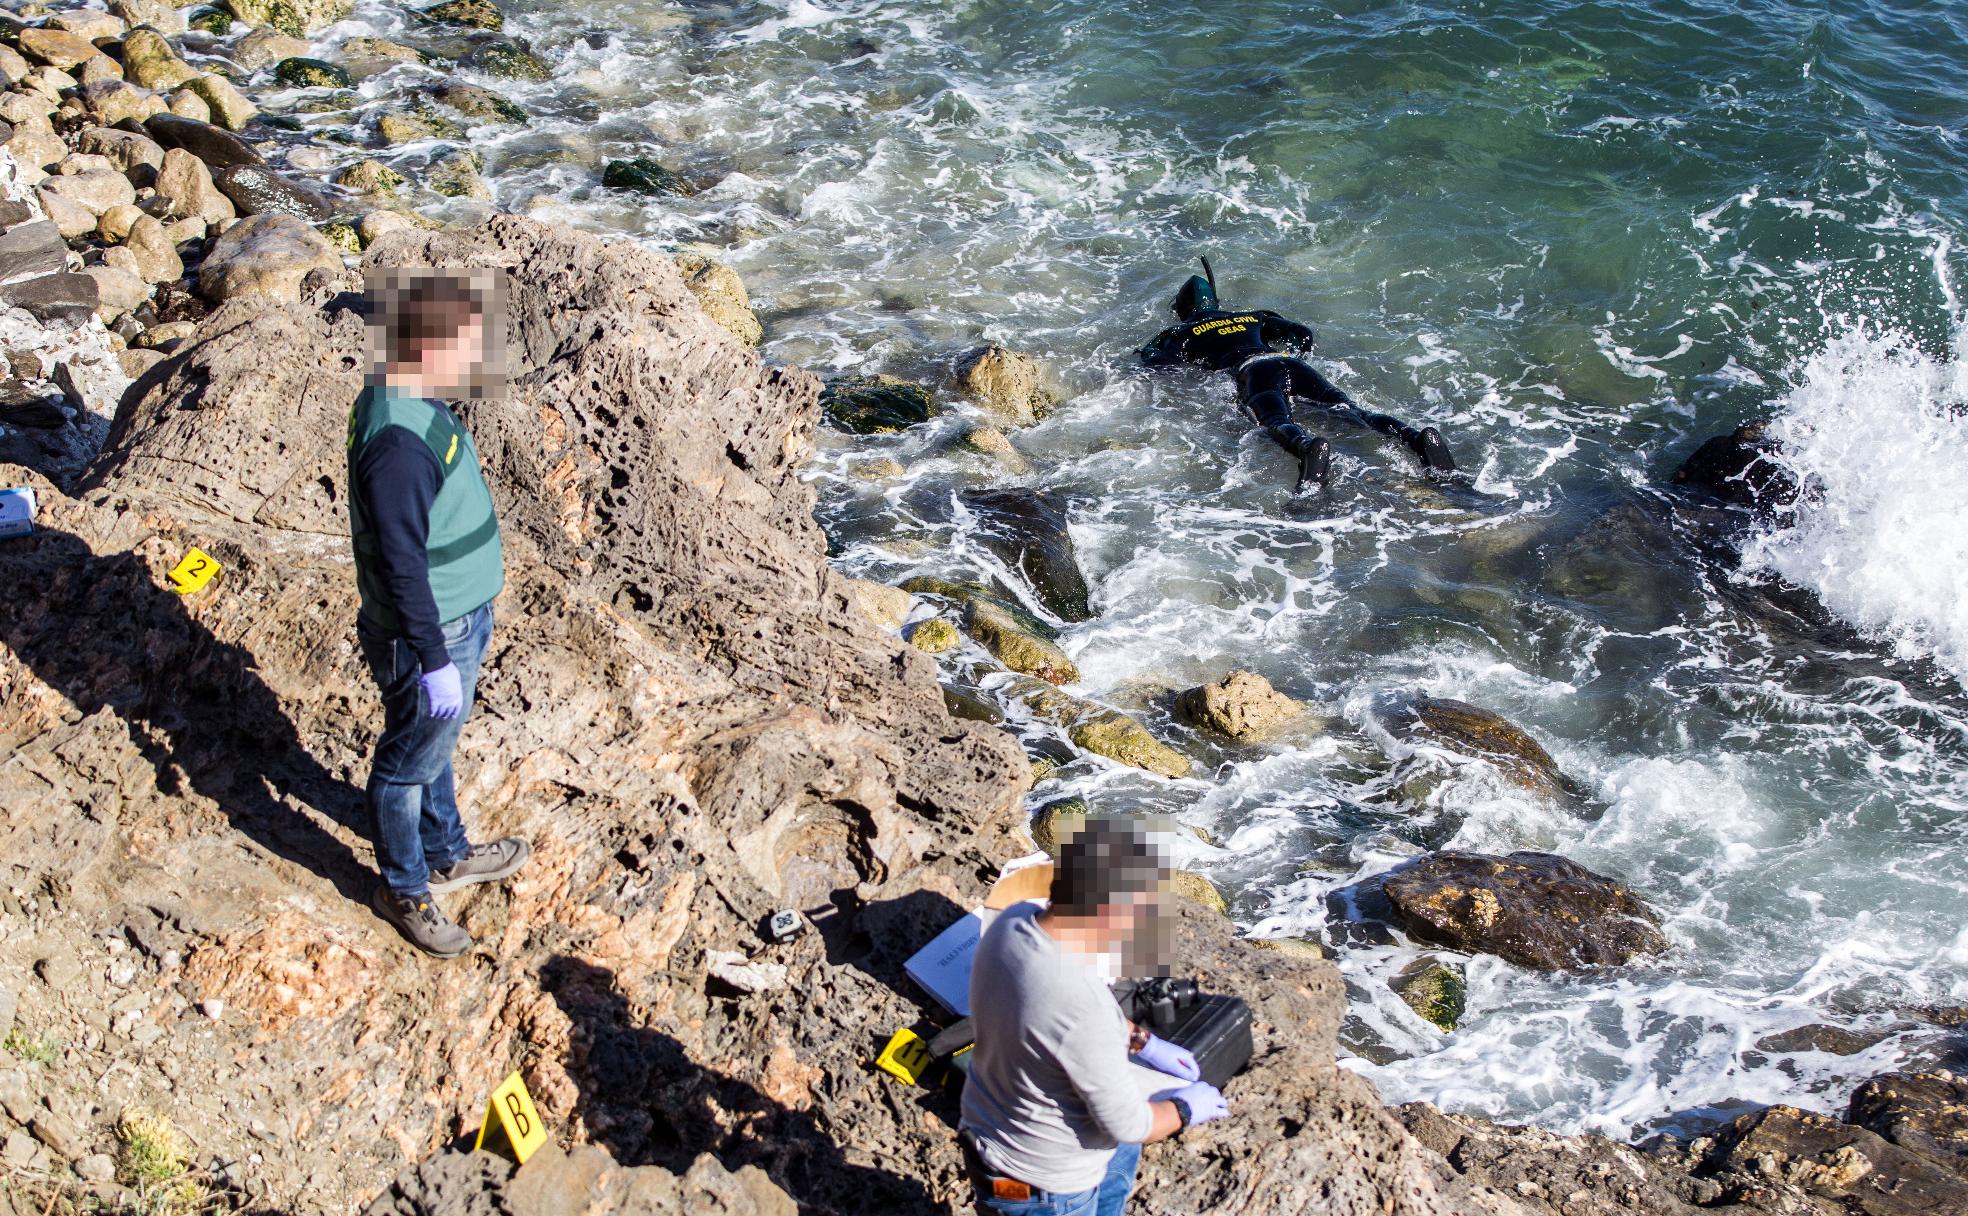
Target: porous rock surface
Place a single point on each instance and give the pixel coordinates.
(681, 710)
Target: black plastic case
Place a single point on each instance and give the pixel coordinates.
(1217, 1031)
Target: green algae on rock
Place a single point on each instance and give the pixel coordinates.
(1434, 990)
(643, 175)
(875, 405)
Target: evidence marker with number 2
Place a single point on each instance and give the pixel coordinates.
(197, 569)
(512, 1125)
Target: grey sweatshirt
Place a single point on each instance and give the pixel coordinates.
(1051, 1092)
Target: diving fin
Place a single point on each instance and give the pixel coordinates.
(1432, 451)
(1315, 464)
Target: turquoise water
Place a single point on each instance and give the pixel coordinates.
(1576, 237)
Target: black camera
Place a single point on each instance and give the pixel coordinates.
(1215, 1029)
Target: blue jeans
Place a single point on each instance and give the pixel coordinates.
(1108, 1199)
(413, 807)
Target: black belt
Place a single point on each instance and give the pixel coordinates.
(988, 1182)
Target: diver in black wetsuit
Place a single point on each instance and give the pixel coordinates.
(1240, 343)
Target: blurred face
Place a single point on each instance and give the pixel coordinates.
(1119, 921)
(455, 360)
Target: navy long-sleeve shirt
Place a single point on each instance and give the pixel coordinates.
(398, 479)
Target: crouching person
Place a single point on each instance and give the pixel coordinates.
(1055, 1111)
(428, 565)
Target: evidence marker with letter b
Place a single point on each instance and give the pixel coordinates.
(511, 1125)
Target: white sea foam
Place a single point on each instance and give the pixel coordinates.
(1876, 430)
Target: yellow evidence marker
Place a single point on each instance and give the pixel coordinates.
(194, 571)
(511, 1122)
(906, 1057)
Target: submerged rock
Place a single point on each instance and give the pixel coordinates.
(304, 73)
(1027, 530)
(992, 442)
(474, 101)
(935, 636)
(1468, 730)
(961, 594)
(1097, 728)
(1741, 467)
(454, 173)
(1434, 990)
(1536, 910)
(1054, 822)
(644, 175)
(875, 405)
(1242, 707)
(1006, 383)
(970, 705)
(999, 632)
(507, 58)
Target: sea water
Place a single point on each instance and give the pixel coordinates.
(1576, 237)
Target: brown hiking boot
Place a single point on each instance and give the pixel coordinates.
(484, 863)
(422, 923)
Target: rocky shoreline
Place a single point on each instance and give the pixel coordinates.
(692, 716)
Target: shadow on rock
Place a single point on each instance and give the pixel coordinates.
(647, 1102)
(101, 632)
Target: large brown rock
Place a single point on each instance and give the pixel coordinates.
(1837, 1166)
(722, 294)
(1923, 1111)
(1536, 910)
(1009, 385)
(56, 48)
(1242, 707)
(265, 255)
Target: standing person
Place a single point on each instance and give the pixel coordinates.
(428, 565)
(1241, 343)
(1054, 1115)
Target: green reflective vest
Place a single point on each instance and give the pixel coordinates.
(466, 569)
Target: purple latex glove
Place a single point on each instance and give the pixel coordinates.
(1205, 1102)
(1164, 1056)
(445, 691)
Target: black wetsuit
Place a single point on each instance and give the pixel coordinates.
(1241, 343)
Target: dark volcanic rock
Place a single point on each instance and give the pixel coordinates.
(1923, 1111)
(53, 297)
(644, 176)
(256, 190)
(1857, 1171)
(1027, 531)
(213, 145)
(1741, 467)
(32, 248)
(875, 405)
(1536, 910)
(1821, 1036)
